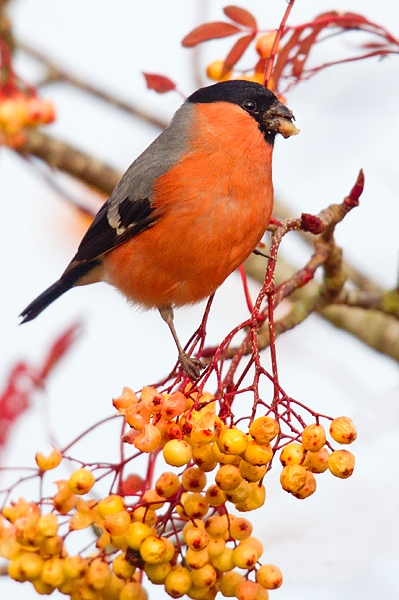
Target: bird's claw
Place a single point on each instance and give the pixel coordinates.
(191, 366)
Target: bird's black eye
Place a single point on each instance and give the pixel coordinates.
(249, 105)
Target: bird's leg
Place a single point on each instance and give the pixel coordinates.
(191, 366)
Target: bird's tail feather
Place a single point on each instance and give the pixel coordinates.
(68, 280)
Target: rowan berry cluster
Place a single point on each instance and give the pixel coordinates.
(18, 112)
(178, 530)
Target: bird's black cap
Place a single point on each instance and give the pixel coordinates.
(235, 91)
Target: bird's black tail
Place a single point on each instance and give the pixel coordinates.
(68, 280)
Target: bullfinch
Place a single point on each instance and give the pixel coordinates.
(189, 210)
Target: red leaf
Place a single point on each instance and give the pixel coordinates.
(237, 51)
(209, 31)
(241, 16)
(59, 348)
(159, 83)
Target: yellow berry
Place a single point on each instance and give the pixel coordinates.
(317, 462)
(153, 550)
(341, 463)
(177, 453)
(145, 515)
(46, 463)
(232, 440)
(258, 454)
(215, 69)
(240, 493)
(228, 477)
(217, 525)
(52, 572)
(228, 583)
(136, 533)
(167, 484)
(292, 454)
(293, 478)
(343, 430)
(204, 458)
(255, 500)
(47, 525)
(269, 577)
(74, 567)
(224, 561)
(133, 591)
(224, 459)
(214, 495)
(81, 481)
(121, 567)
(313, 437)
(206, 576)
(252, 472)
(196, 559)
(196, 538)
(117, 523)
(178, 582)
(216, 545)
(30, 565)
(195, 505)
(308, 489)
(264, 429)
(245, 556)
(157, 573)
(98, 575)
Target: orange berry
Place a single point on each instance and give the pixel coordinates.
(149, 439)
(122, 568)
(136, 534)
(240, 493)
(167, 484)
(98, 575)
(195, 505)
(157, 573)
(203, 457)
(204, 577)
(317, 462)
(255, 500)
(313, 437)
(245, 556)
(52, 572)
(196, 538)
(74, 567)
(214, 495)
(47, 525)
(341, 463)
(269, 577)
(228, 477)
(228, 583)
(152, 499)
(217, 525)
(343, 430)
(196, 559)
(264, 44)
(173, 406)
(224, 561)
(133, 590)
(240, 528)
(246, 590)
(193, 479)
(46, 463)
(153, 550)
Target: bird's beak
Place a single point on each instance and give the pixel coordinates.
(280, 119)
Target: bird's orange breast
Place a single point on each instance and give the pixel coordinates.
(214, 206)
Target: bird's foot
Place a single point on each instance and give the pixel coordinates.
(191, 366)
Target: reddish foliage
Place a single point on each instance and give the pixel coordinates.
(241, 16)
(209, 31)
(24, 380)
(159, 83)
(237, 51)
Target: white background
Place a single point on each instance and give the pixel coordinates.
(343, 541)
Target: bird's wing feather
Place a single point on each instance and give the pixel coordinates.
(129, 209)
